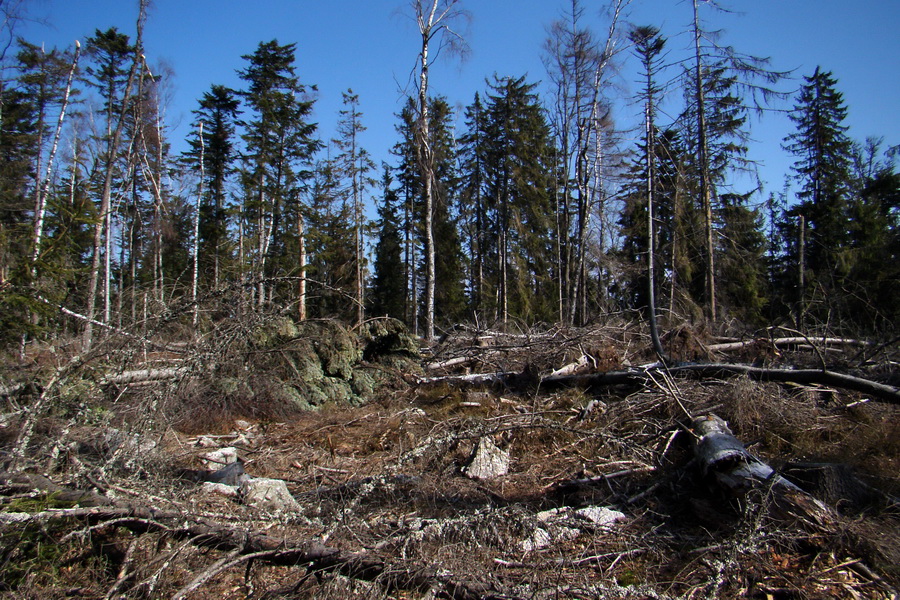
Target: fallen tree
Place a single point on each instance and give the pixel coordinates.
(724, 460)
(641, 375)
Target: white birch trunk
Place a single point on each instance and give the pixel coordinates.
(44, 190)
(425, 157)
(195, 277)
(301, 234)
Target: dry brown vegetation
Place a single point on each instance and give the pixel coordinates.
(372, 444)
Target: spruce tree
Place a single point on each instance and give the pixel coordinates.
(520, 184)
(217, 111)
(110, 51)
(17, 153)
(388, 293)
(873, 253)
(354, 165)
(449, 272)
(823, 152)
(331, 268)
(742, 265)
(411, 188)
(280, 142)
(474, 203)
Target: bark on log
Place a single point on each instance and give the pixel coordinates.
(724, 460)
(145, 376)
(788, 341)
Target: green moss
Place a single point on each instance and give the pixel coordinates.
(384, 337)
(336, 348)
(627, 577)
(231, 385)
(296, 398)
(274, 332)
(305, 361)
(37, 504)
(338, 391)
(362, 383)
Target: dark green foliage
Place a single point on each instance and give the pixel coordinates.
(519, 184)
(450, 298)
(822, 168)
(329, 244)
(873, 252)
(741, 268)
(388, 294)
(17, 152)
(449, 294)
(217, 112)
(473, 202)
(279, 145)
(848, 261)
(110, 51)
(353, 165)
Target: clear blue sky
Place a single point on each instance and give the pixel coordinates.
(371, 45)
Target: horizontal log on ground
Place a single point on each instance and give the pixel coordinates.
(789, 341)
(878, 390)
(145, 375)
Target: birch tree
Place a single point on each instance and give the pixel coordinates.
(42, 82)
(436, 20)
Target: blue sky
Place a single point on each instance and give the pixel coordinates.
(370, 46)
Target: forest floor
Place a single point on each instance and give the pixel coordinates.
(598, 493)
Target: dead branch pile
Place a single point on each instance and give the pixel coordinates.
(658, 487)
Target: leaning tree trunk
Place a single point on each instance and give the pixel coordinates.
(87, 339)
(41, 200)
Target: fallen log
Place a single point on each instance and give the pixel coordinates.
(789, 341)
(881, 391)
(145, 376)
(641, 375)
(887, 393)
(724, 460)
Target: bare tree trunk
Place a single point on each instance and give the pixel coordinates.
(432, 21)
(195, 277)
(265, 233)
(651, 229)
(44, 190)
(410, 301)
(705, 191)
(427, 166)
(358, 209)
(242, 275)
(87, 339)
(301, 235)
(802, 273)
